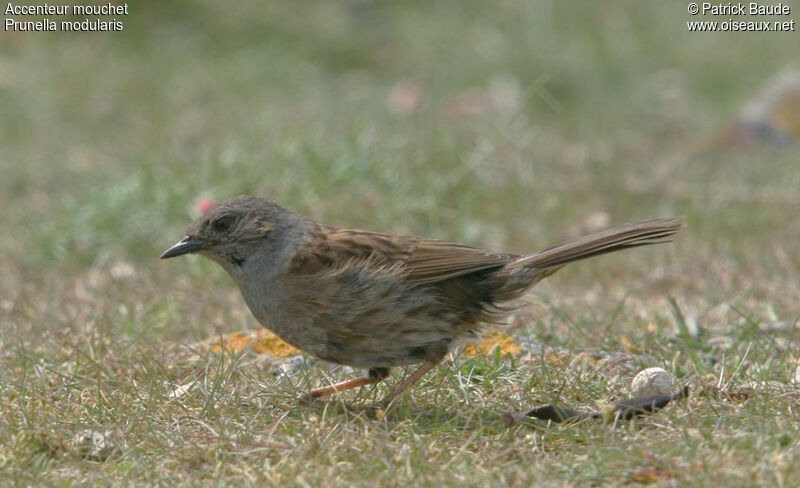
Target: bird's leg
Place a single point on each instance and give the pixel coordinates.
(374, 375)
(344, 385)
(415, 376)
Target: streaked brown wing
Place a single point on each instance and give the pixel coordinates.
(433, 261)
(421, 260)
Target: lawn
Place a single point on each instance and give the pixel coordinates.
(507, 125)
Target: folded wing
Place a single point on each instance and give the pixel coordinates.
(418, 261)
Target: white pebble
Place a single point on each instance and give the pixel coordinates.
(652, 381)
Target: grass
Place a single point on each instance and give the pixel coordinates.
(535, 121)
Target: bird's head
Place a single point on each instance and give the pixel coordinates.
(230, 232)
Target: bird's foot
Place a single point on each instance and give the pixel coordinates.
(375, 411)
(310, 399)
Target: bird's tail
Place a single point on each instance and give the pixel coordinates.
(518, 275)
(628, 235)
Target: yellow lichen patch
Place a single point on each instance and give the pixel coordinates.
(786, 116)
(586, 358)
(491, 341)
(260, 341)
(269, 343)
(560, 358)
(628, 344)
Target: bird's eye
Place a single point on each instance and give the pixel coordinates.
(223, 223)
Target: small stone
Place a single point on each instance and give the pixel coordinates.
(94, 444)
(652, 381)
(181, 390)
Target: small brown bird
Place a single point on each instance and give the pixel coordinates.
(372, 300)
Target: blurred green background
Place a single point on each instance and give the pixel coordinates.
(501, 124)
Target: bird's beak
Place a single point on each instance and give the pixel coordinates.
(184, 246)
